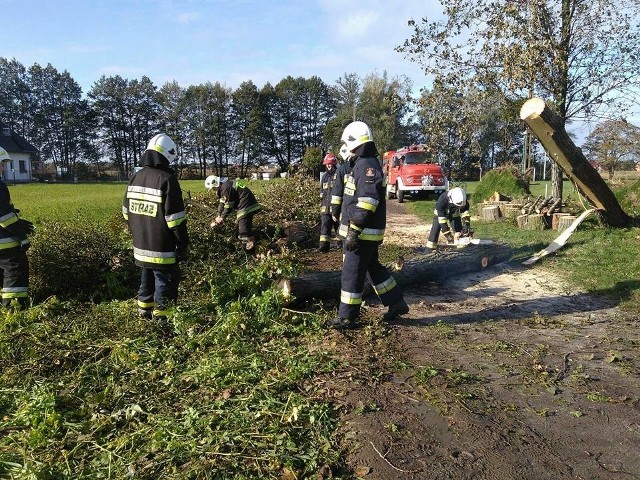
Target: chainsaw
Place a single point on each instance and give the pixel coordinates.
(461, 240)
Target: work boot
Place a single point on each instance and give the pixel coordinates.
(324, 247)
(144, 313)
(395, 310)
(340, 323)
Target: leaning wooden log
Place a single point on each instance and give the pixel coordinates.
(548, 127)
(532, 207)
(544, 204)
(491, 213)
(556, 205)
(421, 270)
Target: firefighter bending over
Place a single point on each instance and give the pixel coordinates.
(362, 225)
(452, 206)
(237, 196)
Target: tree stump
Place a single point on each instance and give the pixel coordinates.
(522, 221)
(420, 270)
(536, 221)
(512, 210)
(555, 218)
(565, 222)
(491, 213)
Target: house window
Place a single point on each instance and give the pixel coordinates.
(23, 166)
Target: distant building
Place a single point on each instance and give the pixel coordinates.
(22, 153)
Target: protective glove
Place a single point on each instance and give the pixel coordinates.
(21, 228)
(466, 229)
(352, 242)
(448, 235)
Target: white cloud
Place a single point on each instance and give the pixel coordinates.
(186, 18)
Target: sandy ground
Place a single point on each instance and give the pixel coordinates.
(503, 374)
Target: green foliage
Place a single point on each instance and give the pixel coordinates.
(82, 261)
(295, 199)
(629, 198)
(505, 180)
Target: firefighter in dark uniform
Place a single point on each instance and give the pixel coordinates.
(237, 196)
(362, 225)
(452, 206)
(327, 224)
(14, 264)
(337, 191)
(154, 210)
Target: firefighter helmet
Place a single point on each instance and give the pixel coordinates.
(329, 159)
(355, 134)
(163, 144)
(213, 181)
(457, 196)
(4, 155)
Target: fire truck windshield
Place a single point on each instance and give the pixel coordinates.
(414, 158)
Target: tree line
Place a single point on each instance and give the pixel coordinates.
(296, 120)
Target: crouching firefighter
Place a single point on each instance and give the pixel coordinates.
(452, 206)
(237, 196)
(14, 264)
(362, 225)
(154, 210)
(327, 224)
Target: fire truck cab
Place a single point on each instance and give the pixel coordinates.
(412, 171)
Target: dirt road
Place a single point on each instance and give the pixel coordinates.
(504, 374)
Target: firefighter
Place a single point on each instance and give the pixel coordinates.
(452, 206)
(337, 191)
(154, 210)
(327, 224)
(362, 224)
(237, 196)
(14, 264)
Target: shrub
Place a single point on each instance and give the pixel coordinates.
(82, 261)
(506, 180)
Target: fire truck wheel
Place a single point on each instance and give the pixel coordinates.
(400, 195)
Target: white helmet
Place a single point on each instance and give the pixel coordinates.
(4, 155)
(457, 196)
(355, 134)
(213, 181)
(163, 144)
(344, 153)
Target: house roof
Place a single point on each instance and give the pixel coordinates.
(14, 143)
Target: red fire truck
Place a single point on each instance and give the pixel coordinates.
(412, 171)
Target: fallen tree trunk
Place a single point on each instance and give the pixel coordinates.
(548, 127)
(429, 268)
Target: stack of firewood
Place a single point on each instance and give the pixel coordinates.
(540, 213)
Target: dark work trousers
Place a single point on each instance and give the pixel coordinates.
(327, 226)
(14, 274)
(159, 289)
(354, 271)
(434, 234)
(245, 227)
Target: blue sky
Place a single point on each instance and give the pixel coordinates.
(226, 41)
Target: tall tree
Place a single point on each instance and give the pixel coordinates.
(63, 120)
(16, 100)
(611, 143)
(581, 54)
(246, 124)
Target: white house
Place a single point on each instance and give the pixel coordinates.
(20, 168)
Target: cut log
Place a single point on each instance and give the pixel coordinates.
(421, 270)
(555, 218)
(556, 205)
(536, 221)
(522, 220)
(548, 127)
(491, 213)
(512, 211)
(565, 222)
